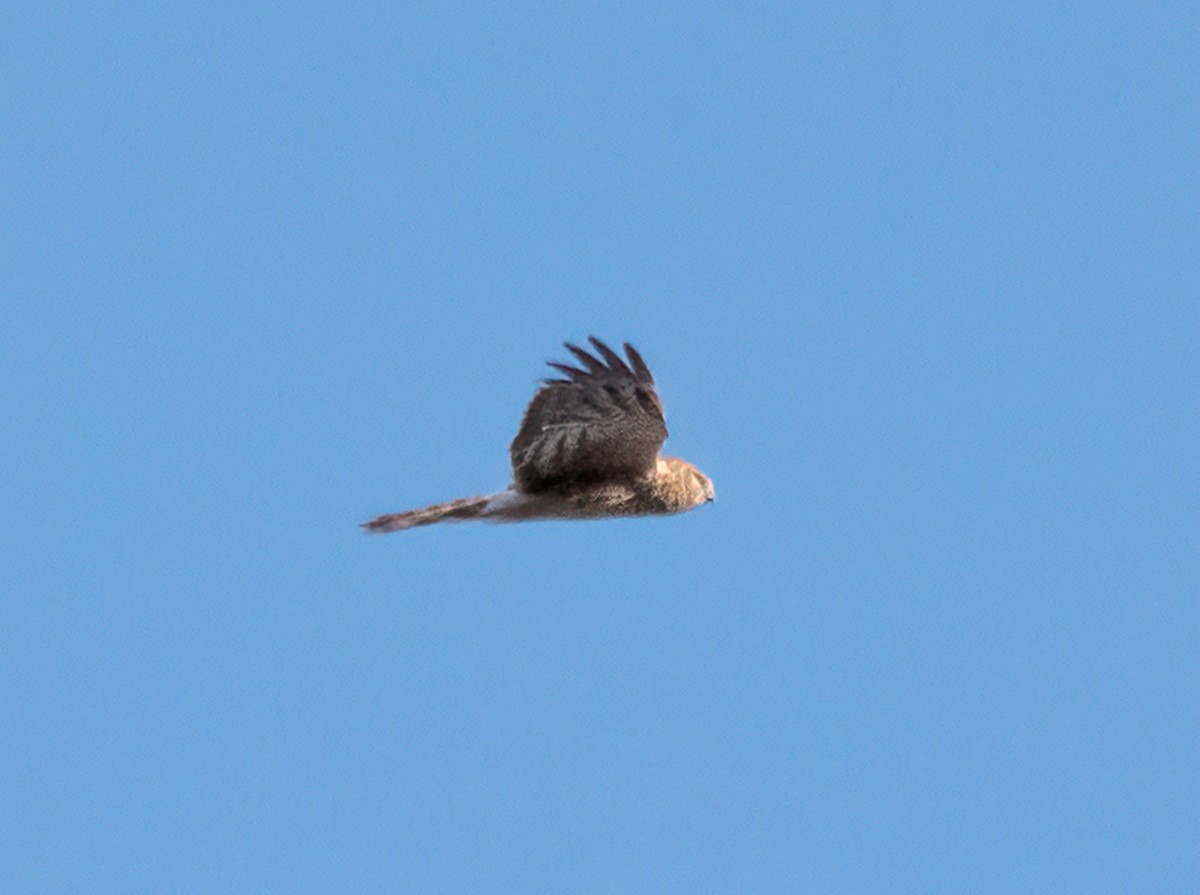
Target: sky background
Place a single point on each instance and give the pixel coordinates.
(919, 288)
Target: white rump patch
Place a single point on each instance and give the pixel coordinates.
(505, 500)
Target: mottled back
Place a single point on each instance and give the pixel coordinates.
(603, 422)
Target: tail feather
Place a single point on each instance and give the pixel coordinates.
(452, 511)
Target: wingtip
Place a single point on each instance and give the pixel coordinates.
(639, 365)
(592, 364)
(382, 525)
(573, 373)
(614, 360)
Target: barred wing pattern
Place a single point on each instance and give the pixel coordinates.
(603, 422)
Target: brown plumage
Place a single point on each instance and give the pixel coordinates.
(587, 449)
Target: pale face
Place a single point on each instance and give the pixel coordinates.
(688, 487)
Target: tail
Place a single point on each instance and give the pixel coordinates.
(451, 511)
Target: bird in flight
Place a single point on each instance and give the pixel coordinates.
(587, 449)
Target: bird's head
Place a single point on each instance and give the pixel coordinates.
(691, 486)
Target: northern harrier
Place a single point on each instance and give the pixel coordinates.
(587, 449)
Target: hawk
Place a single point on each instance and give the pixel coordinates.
(587, 449)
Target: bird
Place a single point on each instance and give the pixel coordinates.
(588, 448)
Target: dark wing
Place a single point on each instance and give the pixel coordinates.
(602, 422)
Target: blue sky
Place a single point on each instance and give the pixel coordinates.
(919, 289)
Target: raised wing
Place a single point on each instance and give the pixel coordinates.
(602, 422)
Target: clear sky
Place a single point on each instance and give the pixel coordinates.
(919, 289)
